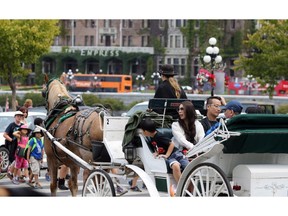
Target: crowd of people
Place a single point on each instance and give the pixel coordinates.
(19, 136)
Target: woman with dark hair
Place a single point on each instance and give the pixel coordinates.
(187, 131)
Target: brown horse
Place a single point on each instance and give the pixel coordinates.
(80, 131)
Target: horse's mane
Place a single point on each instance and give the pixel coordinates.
(56, 88)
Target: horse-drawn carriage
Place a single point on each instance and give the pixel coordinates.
(246, 156)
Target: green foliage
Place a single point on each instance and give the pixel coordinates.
(3, 99)
(37, 99)
(282, 109)
(267, 53)
(92, 100)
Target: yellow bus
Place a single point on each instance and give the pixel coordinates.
(99, 83)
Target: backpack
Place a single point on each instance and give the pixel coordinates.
(22, 152)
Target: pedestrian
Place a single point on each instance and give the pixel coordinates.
(169, 88)
(11, 140)
(22, 136)
(28, 103)
(35, 154)
(187, 131)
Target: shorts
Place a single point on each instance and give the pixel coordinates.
(175, 157)
(21, 162)
(34, 166)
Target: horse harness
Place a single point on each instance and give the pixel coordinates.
(75, 130)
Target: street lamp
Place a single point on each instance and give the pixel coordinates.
(212, 56)
(155, 76)
(250, 79)
(140, 78)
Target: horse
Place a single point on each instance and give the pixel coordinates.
(80, 131)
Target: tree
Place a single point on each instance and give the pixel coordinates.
(266, 53)
(22, 42)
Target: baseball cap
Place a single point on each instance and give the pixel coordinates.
(234, 105)
(18, 113)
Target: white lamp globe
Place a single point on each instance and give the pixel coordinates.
(207, 59)
(218, 59)
(215, 50)
(209, 50)
(212, 41)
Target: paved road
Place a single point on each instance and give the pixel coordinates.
(6, 182)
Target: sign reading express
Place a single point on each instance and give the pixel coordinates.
(95, 52)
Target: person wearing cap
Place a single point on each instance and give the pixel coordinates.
(35, 155)
(232, 108)
(11, 141)
(22, 135)
(169, 88)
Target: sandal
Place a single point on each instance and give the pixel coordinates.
(31, 184)
(38, 186)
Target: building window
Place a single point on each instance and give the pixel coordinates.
(101, 39)
(177, 41)
(86, 40)
(183, 66)
(168, 60)
(130, 24)
(107, 23)
(171, 41)
(162, 42)
(142, 41)
(92, 40)
(129, 40)
(183, 41)
(172, 24)
(178, 23)
(148, 40)
(233, 24)
(68, 40)
(161, 23)
(197, 24)
(124, 24)
(124, 40)
(92, 24)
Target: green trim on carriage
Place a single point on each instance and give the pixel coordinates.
(260, 133)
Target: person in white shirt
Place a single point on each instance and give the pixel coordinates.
(187, 131)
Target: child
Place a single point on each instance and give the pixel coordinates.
(164, 148)
(22, 136)
(35, 155)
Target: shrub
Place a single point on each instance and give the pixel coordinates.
(282, 109)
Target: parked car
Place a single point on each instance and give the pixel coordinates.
(5, 119)
(143, 106)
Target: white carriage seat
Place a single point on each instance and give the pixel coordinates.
(151, 164)
(113, 133)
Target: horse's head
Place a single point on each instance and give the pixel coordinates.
(54, 92)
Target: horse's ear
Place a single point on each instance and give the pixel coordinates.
(46, 78)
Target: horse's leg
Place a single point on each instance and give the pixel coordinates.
(73, 181)
(86, 173)
(53, 182)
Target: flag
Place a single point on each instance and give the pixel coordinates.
(7, 105)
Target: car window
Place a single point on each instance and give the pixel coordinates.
(137, 108)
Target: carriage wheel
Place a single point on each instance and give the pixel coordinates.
(98, 184)
(206, 180)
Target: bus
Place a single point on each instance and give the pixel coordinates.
(99, 82)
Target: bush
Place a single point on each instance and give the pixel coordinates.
(37, 99)
(282, 109)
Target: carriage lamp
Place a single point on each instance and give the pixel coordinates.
(130, 153)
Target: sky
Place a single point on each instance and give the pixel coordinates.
(148, 9)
